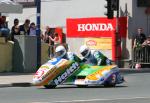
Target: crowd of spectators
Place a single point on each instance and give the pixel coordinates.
(49, 36)
(25, 29)
(52, 38)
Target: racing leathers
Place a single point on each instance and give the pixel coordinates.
(71, 56)
(96, 58)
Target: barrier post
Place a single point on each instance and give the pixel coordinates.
(38, 32)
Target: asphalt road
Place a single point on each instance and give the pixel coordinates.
(135, 90)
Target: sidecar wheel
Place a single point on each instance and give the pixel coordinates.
(111, 82)
(49, 86)
(109, 85)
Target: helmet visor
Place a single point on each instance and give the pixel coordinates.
(59, 54)
(84, 53)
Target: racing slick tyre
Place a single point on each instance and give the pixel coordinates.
(111, 82)
(82, 86)
(49, 86)
(107, 84)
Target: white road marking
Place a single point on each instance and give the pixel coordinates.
(40, 102)
(92, 100)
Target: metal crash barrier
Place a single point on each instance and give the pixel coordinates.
(141, 55)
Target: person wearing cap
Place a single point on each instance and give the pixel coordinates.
(61, 52)
(93, 57)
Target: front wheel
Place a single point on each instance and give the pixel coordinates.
(82, 86)
(49, 86)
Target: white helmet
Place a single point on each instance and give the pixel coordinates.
(60, 51)
(85, 51)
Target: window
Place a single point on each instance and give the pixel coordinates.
(143, 3)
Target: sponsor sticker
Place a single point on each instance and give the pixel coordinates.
(100, 73)
(54, 61)
(40, 73)
(79, 81)
(61, 78)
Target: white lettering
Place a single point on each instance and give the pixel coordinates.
(95, 27)
(58, 80)
(88, 27)
(103, 27)
(110, 27)
(81, 27)
(67, 73)
(64, 75)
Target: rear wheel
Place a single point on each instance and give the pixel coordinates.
(111, 82)
(109, 85)
(49, 86)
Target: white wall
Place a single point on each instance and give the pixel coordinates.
(54, 13)
(28, 13)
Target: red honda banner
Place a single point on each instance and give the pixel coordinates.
(94, 27)
(90, 27)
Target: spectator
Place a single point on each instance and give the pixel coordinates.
(139, 38)
(146, 46)
(56, 39)
(63, 38)
(46, 34)
(146, 42)
(24, 29)
(15, 29)
(32, 29)
(3, 22)
(3, 27)
(138, 51)
(42, 36)
(49, 32)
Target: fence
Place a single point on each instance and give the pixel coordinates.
(141, 55)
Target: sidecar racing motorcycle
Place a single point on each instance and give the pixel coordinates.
(61, 71)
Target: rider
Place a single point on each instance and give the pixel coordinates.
(61, 52)
(93, 57)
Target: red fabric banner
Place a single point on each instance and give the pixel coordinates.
(94, 27)
(90, 27)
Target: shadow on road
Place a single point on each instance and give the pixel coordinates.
(75, 87)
